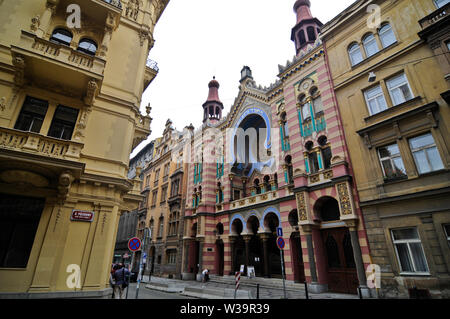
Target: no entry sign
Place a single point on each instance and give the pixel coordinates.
(280, 243)
(134, 244)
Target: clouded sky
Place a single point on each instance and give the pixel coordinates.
(199, 39)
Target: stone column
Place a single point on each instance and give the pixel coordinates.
(247, 238)
(265, 239)
(50, 9)
(352, 225)
(231, 187)
(314, 286)
(232, 240)
(200, 259)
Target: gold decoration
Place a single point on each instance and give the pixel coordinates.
(301, 206)
(346, 207)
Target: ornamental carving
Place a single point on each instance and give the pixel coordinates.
(2, 104)
(301, 206)
(35, 23)
(90, 92)
(64, 183)
(132, 9)
(19, 65)
(344, 197)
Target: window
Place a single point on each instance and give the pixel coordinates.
(313, 162)
(409, 250)
(317, 103)
(171, 256)
(327, 155)
(156, 178)
(370, 45)
(63, 122)
(302, 37)
(87, 46)
(391, 161)
(163, 194)
(426, 154)
(161, 227)
(441, 3)
(305, 112)
(236, 194)
(355, 54)
(32, 115)
(375, 100)
(311, 34)
(154, 197)
(447, 232)
(19, 217)
(387, 36)
(399, 89)
(61, 36)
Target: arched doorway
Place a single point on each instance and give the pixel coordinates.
(220, 251)
(239, 245)
(296, 248)
(271, 223)
(339, 259)
(256, 251)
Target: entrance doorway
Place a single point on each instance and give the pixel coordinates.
(297, 258)
(220, 263)
(340, 262)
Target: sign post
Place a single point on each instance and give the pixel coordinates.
(134, 244)
(281, 244)
(141, 262)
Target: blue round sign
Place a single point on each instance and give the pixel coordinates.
(280, 243)
(134, 244)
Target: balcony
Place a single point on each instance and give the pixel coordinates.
(249, 201)
(151, 71)
(57, 66)
(34, 143)
(437, 16)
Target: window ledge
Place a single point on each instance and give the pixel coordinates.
(438, 172)
(413, 274)
(391, 108)
(393, 180)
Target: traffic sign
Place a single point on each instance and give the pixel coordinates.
(134, 244)
(280, 243)
(279, 232)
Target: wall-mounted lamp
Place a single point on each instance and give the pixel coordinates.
(372, 77)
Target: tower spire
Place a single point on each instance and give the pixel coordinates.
(307, 29)
(212, 108)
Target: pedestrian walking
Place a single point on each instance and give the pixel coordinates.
(121, 276)
(205, 275)
(112, 281)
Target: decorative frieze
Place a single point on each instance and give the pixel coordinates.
(344, 198)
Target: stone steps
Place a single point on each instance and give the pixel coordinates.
(270, 283)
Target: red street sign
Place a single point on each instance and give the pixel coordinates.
(134, 244)
(280, 243)
(84, 216)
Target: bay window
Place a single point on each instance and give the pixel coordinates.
(391, 161)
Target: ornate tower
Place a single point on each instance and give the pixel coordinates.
(212, 108)
(307, 28)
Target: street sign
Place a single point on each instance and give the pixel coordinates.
(279, 232)
(280, 243)
(134, 244)
(82, 216)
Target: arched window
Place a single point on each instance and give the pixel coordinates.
(87, 46)
(370, 45)
(355, 54)
(306, 112)
(61, 36)
(387, 36)
(301, 37)
(311, 34)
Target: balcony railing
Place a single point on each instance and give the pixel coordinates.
(30, 142)
(115, 3)
(252, 200)
(435, 17)
(152, 65)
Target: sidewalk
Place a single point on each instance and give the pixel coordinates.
(217, 289)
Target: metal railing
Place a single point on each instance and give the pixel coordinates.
(115, 3)
(152, 65)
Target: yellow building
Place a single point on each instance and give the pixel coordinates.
(72, 74)
(389, 64)
(165, 184)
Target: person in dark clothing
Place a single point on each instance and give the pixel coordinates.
(121, 276)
